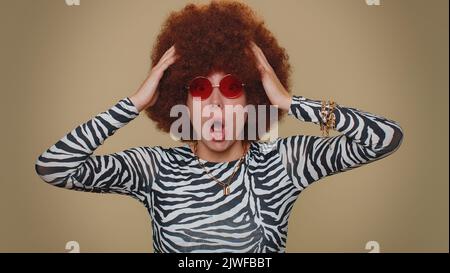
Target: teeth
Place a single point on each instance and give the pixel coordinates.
(217, 135)
(218, 130)
(217, 126)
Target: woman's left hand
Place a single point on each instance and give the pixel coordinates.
(278, 95)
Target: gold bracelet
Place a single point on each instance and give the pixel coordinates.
(328, 117)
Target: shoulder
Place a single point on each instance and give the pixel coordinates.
(265, 147)
(162, 150)
(281, 143)
(172, 154)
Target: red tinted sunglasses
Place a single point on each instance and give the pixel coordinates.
(230, 86)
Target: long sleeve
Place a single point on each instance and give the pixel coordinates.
(364, 138)
(70, 162)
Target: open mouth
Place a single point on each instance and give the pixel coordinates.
(217, 131)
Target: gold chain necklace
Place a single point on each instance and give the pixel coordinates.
(226, 186)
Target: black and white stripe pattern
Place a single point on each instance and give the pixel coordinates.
(189, 211)
(365, 138)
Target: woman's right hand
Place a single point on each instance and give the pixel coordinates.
(147, 94)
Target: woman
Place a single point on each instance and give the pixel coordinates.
(216, 194)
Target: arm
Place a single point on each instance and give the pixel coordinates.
(70, 162)
(365, 138)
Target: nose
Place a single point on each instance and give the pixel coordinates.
(216, 97)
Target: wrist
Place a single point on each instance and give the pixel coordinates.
(286, 102)
(137, 102)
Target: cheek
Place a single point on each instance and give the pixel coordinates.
(189, 101)
(239, 117)
(196, 108)
(243, 102)
(194, 105)
(189, 105)
(243, 99)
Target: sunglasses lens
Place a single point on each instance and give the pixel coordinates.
(200, 87)
(231, 87)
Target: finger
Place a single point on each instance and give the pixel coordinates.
(261, 56)
(169, 61)
(171, 49)
(257, 55)
(172, 59)
(167, 54)
(264, 60)
(261, 65)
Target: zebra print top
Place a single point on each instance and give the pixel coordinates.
(189, 211)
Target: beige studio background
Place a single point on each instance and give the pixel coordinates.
(62, 65)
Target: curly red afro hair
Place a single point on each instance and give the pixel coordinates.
(214, 37)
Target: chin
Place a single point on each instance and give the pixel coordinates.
(218, 146)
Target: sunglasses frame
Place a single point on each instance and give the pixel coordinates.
(217, 85)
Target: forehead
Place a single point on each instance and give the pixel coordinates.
(216, 75)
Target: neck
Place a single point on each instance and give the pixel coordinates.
(234, 152)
